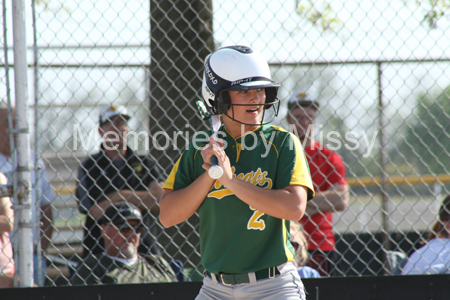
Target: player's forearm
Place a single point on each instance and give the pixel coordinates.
(149, 201)
(288, 203)
(178, 206)
(332, 200)
(97, 210)
(142, 199)
(145, 200)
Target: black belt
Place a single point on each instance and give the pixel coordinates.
(231, 279)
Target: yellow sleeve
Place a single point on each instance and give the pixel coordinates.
(168, 185)
(301, 174)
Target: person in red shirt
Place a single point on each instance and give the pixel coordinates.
(328, 175)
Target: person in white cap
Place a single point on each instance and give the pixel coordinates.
(328, 175)
(117, 174)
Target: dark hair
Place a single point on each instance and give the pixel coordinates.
(444, 211)
(438, 231)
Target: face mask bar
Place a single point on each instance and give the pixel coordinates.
(271, 105)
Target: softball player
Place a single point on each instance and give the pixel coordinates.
(244, 215)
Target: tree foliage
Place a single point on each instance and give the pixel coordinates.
(426, 143)
(319, 13)
(434, 10)
(322, 15)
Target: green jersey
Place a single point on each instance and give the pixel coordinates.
(235, 237)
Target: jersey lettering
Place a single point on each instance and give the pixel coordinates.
(257, 177)
(255, 223)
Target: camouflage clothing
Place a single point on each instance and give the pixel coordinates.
(102, 269)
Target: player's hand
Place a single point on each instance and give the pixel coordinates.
(223, 161)
(208, 152)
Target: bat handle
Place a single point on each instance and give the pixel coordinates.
(215, 172)
(214, 161)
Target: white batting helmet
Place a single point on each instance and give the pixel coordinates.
(236, 68)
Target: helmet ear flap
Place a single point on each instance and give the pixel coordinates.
(271, 96)
(223, 102)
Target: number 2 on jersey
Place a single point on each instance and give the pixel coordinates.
(255, 223)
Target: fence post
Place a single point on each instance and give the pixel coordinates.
(37, 190)
(23, 146)
(385, 236)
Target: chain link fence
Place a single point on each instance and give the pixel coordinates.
(379, 69)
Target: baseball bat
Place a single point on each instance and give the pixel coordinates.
(215, 172)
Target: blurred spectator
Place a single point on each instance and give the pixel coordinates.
(117, 174)
(434, 256)
(121, 263)
(46, 195)
(328, 175)
(298, 241)
(6, 254)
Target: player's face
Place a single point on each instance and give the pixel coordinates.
(122, 242)
(247, 114)
(303, 119)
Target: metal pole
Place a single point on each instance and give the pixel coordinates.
(37, 208)
(23, 145)
(385, 238)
